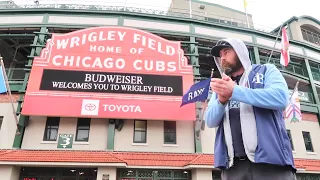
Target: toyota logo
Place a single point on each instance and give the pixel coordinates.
(90, 107)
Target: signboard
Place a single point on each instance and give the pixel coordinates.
(65, 141)
(110, 72)
(105, 176)
(302, 95)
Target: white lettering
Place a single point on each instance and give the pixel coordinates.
(74, 41)
(121, 108)
(54, 60)
(153, 44)
(118, 79)
(136, 38)
(91, 37)
(71, 85)
(121, 35)
(162, 89)
(108, 49)
(160, 66)
(136, 65)
(62, 43)
(84, 61)
(195, 94)
(68, 61)
(136, 88)
(258, 78)
(88, 62)
(113, 35)
(171, 66)
(109, 63)
(93, 48)
(101, 38)
(151, 65)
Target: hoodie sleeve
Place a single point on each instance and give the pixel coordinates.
(273, 96)
(214, 112)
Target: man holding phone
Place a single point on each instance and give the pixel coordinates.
(247, 108)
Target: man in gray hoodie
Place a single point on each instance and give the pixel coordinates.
(247, 109)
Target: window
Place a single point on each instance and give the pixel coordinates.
(289, 134)
(51, 129)
(140, 131)
(307, 141)
(83, 129)
(170, 134)
(1, 120)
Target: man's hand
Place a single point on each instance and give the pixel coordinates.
(222, 99)
(223, 87)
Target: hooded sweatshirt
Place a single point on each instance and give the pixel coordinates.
(263, 94)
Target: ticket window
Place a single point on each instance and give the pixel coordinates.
(29, 173)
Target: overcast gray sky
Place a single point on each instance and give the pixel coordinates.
(272, 13)
(267, 13)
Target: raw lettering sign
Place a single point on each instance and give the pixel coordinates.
(110, 72)
(197, 92)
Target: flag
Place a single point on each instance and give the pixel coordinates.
(3, 87)
(245, 10)
(285, 57)
(197, 92)
(293, 111)
(245, 4)
(6, 89)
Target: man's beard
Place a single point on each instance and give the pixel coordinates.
(231, 68)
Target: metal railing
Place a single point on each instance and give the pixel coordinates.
(15, 74)
(292, 68)
(171, 12)
(308, 97)
(311, 36)
(316, 76)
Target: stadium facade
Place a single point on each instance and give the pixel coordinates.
(133, 137)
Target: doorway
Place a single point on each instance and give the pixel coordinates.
(153, 174)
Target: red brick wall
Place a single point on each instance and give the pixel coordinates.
(4, 98)
(309, 117)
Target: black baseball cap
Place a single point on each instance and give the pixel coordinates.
(215, 51)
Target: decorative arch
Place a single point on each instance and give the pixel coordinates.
(310, 33)
(311, 19)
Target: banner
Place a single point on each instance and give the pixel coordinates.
(197, 92)
(110, 72)
(3, 87)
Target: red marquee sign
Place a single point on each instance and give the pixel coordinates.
(110, 72)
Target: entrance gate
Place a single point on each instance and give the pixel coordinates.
(152, 174)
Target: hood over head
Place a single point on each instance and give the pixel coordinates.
(239, 47)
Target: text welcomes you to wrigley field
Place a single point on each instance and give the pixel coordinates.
(109, 82)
